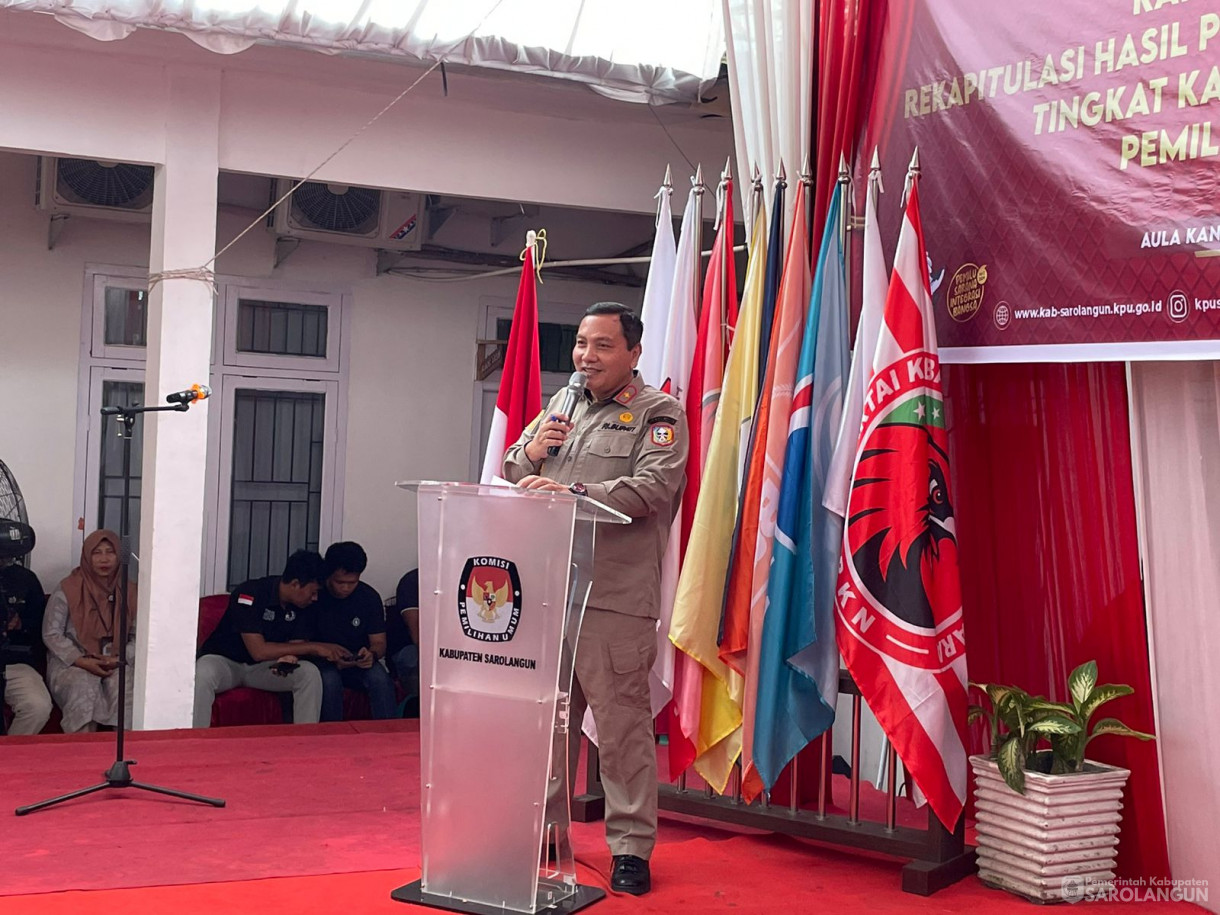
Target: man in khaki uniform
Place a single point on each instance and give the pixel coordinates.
(625, 445)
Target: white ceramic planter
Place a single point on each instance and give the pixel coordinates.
(1064, 826)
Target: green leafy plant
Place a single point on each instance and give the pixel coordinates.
(1020, 723)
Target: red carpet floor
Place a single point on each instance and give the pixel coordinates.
(325, 818)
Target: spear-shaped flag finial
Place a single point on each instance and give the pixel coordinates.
(781, 176)
(668, 183)
(913, 172)
(756, 177)
(727, 174)
(874, 173)
(806, 177)
(697, 181)
(844, 171)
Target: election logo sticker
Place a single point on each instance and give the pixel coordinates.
(489, 599)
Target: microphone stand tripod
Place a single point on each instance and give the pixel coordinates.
(119, 774)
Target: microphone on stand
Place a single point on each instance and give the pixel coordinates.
(571, 394)
(190, 395)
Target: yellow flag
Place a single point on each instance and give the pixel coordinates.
(696, 615)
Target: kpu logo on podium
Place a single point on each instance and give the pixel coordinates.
(489, 599)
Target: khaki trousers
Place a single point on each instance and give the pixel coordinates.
(613, 657)
(27, 696)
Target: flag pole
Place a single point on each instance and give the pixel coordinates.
(754, 203)
(724, 210)
(699, 188)
(845, 206)
(665, 190)
(913, 173)
(806, 180)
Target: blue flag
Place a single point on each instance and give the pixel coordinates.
(798, 657)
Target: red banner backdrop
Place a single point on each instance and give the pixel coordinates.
(1049, 559)
(1071, 172)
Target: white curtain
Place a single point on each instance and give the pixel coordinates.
(770, 54)
(1176, 441)
(639, 50)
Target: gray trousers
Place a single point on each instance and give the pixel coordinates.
(216, 674)
(27, 695)
(613, 657)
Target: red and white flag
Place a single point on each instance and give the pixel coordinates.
(520, 397)
(898, 604)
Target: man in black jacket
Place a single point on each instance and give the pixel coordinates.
(22, 654)
(269, 626)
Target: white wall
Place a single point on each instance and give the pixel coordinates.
(411, 385)
(411, 389)
(40, 332)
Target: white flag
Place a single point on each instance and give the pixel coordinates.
(670, 316)
(872, 305)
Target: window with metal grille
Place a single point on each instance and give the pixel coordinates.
(110, 475)
(555, 342)
(281, 328)
(276, 501)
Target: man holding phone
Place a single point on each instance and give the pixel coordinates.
(269, 625)
(350, 614)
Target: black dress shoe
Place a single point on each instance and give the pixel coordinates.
(630, 875)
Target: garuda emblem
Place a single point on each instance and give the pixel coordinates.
(489, 599)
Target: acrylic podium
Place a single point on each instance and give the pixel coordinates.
(503, 578)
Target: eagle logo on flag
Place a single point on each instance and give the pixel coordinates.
(489, 599)
(899, 534)
(900, 524)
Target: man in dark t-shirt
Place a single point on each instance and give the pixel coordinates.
(269, 626)
(402, 633)
(350, 614)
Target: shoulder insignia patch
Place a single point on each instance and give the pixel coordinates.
(245, 600)
(627, 394)
(662, 434)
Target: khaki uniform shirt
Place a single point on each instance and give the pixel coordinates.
(630, 454)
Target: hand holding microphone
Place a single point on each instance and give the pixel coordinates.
(551, 433)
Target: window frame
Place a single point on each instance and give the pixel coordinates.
(230, 302)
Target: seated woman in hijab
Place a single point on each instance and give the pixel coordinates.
(80, 630)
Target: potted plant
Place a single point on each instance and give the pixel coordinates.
(1047, 817)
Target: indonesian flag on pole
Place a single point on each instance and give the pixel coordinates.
(898, 604)
(520, 397)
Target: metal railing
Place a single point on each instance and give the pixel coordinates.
(938, 857)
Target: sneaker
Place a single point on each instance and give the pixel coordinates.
(630, 875)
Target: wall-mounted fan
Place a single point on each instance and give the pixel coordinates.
(12, 505)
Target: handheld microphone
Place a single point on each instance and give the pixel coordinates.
(190, 395)
(571, 394)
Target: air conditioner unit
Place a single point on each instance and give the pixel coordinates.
(92, 187)
(350, 215)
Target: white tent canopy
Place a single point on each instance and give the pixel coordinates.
(634, 49)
